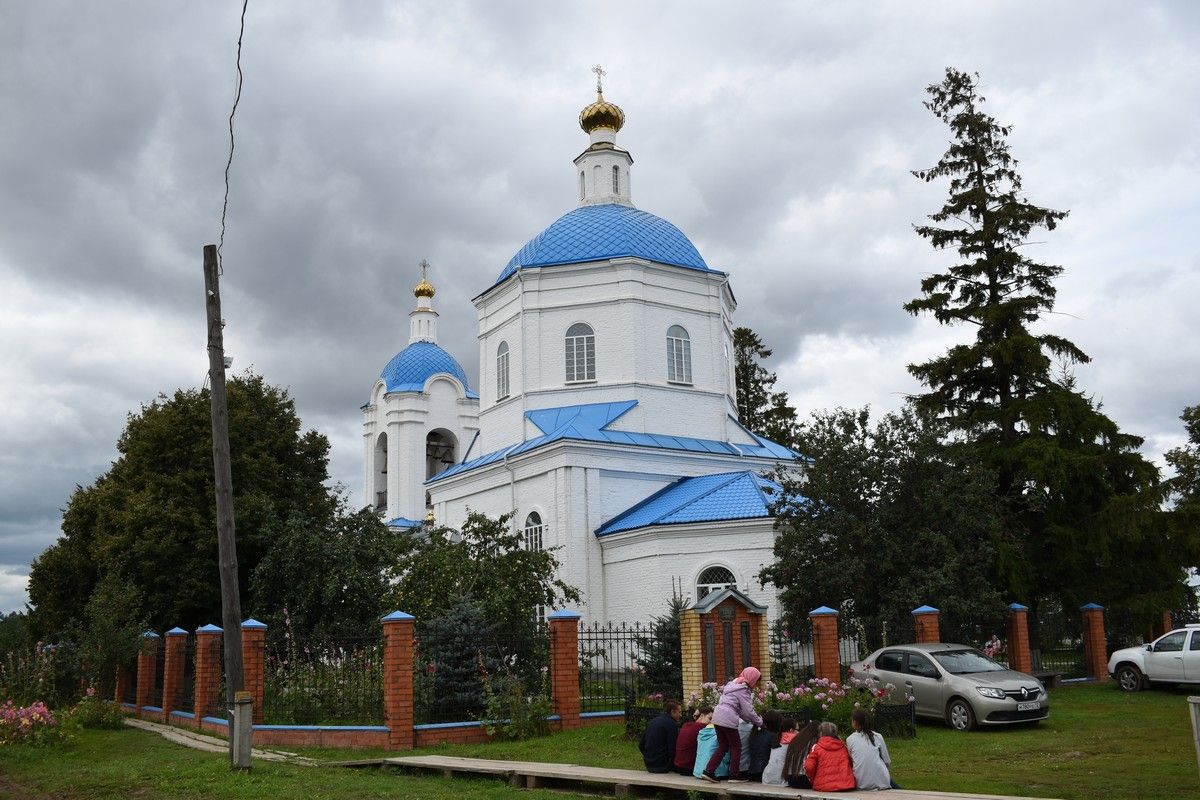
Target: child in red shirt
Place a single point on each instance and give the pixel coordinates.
(685, 744)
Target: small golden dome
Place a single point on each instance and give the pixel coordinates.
(424, 289)
(601, 114)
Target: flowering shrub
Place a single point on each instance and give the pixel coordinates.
(95, 712)
(823, 699)
(32, 725)
(512, 712)
(709, 695)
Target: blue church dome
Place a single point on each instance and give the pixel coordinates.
(411, 367)
(596, 232)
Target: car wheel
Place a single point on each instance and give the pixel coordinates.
(1129, 678)
(960, 715)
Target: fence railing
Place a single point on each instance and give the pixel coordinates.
(184, 699)
(792, 655)
(337, 681)
(454, 671)
(129, 695)
(613, 660)
(160, 663)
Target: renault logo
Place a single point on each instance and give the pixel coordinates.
(1024, 693)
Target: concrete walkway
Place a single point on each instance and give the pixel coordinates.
(212, 744)
(632, 783)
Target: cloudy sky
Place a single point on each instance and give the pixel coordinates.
(779, 137)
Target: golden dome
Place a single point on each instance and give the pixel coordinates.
(601, 114)
(424, 289)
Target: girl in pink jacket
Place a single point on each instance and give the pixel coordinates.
(735, 705)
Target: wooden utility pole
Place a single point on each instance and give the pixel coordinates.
(231, 604)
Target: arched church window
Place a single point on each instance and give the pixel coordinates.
(581, 353)
(616, 179)
(713, 579)
(381, 473)
(502, 371)
(439, 452)
(679, 355)
(533, 531)
(597, 178)
(582, 190)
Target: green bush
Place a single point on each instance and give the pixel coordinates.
(511, 712)
(94, 712)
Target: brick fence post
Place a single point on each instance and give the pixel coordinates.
(692, 653)
(207, 698)
(564, 666)
(173, 669)
(826, 659)
(254, 655)
(762, 638)
(1095, 652)
(927, 622)
(1019, 656)
(398, 708)
(145, 668)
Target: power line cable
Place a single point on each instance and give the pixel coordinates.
(229, 163)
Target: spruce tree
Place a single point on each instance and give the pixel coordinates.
(1077, 498)
(760, 408)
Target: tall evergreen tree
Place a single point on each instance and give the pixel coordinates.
(1076, 496)
(760, 408)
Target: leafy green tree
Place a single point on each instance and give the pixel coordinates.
(14, 633)
(882, 518)
(151, 518)
(347, 593)
(112, 631)
(760, 408)
(485, 562)
(1185, 460)
(1075, 495)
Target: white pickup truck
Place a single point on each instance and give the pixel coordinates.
(1171, 658)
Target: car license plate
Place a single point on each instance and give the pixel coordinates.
(1028, 706)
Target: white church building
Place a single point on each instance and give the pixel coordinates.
(604, 418)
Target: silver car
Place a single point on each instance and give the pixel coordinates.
(958, 684)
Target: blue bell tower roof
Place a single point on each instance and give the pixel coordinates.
(411, 367)
(597, 232)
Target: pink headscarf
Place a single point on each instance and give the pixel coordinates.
(749, 676)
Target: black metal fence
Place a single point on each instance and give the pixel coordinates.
(1056, 641)
(129, 693)
(160, 664)
(620, 663)
(791, 653)
(455, 670)
(184, 699)
(338, 681)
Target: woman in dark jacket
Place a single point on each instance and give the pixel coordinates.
(762, 740)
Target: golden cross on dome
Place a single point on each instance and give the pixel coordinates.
(600, 73)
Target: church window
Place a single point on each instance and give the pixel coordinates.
(616, 179)
(581, 186)
(381, 474)
(502, 371)
(581, 353)
(533, 532)
(439, 452)
(679, 355)
(713, 579)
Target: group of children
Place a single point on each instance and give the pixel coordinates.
(715, 746)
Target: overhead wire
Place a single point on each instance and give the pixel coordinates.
(229, 162)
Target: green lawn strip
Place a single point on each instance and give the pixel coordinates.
(132, 763)
(1099, 743)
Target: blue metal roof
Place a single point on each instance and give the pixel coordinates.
(593, 233)
(589, 423)
(708, 498)
(403, 522)
(411, 367)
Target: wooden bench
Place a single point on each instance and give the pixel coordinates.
(630, 783)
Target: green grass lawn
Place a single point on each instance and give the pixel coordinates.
(1099, 743)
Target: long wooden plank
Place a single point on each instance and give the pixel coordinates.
(629, 778)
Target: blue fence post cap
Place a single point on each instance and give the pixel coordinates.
(925, 610)
(564, 613)
(1017, 607)
(253, 624)
(177, 632)
(210, 628)
(396, 616)
(823, 611)
(1091, 607)
(150, 635)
